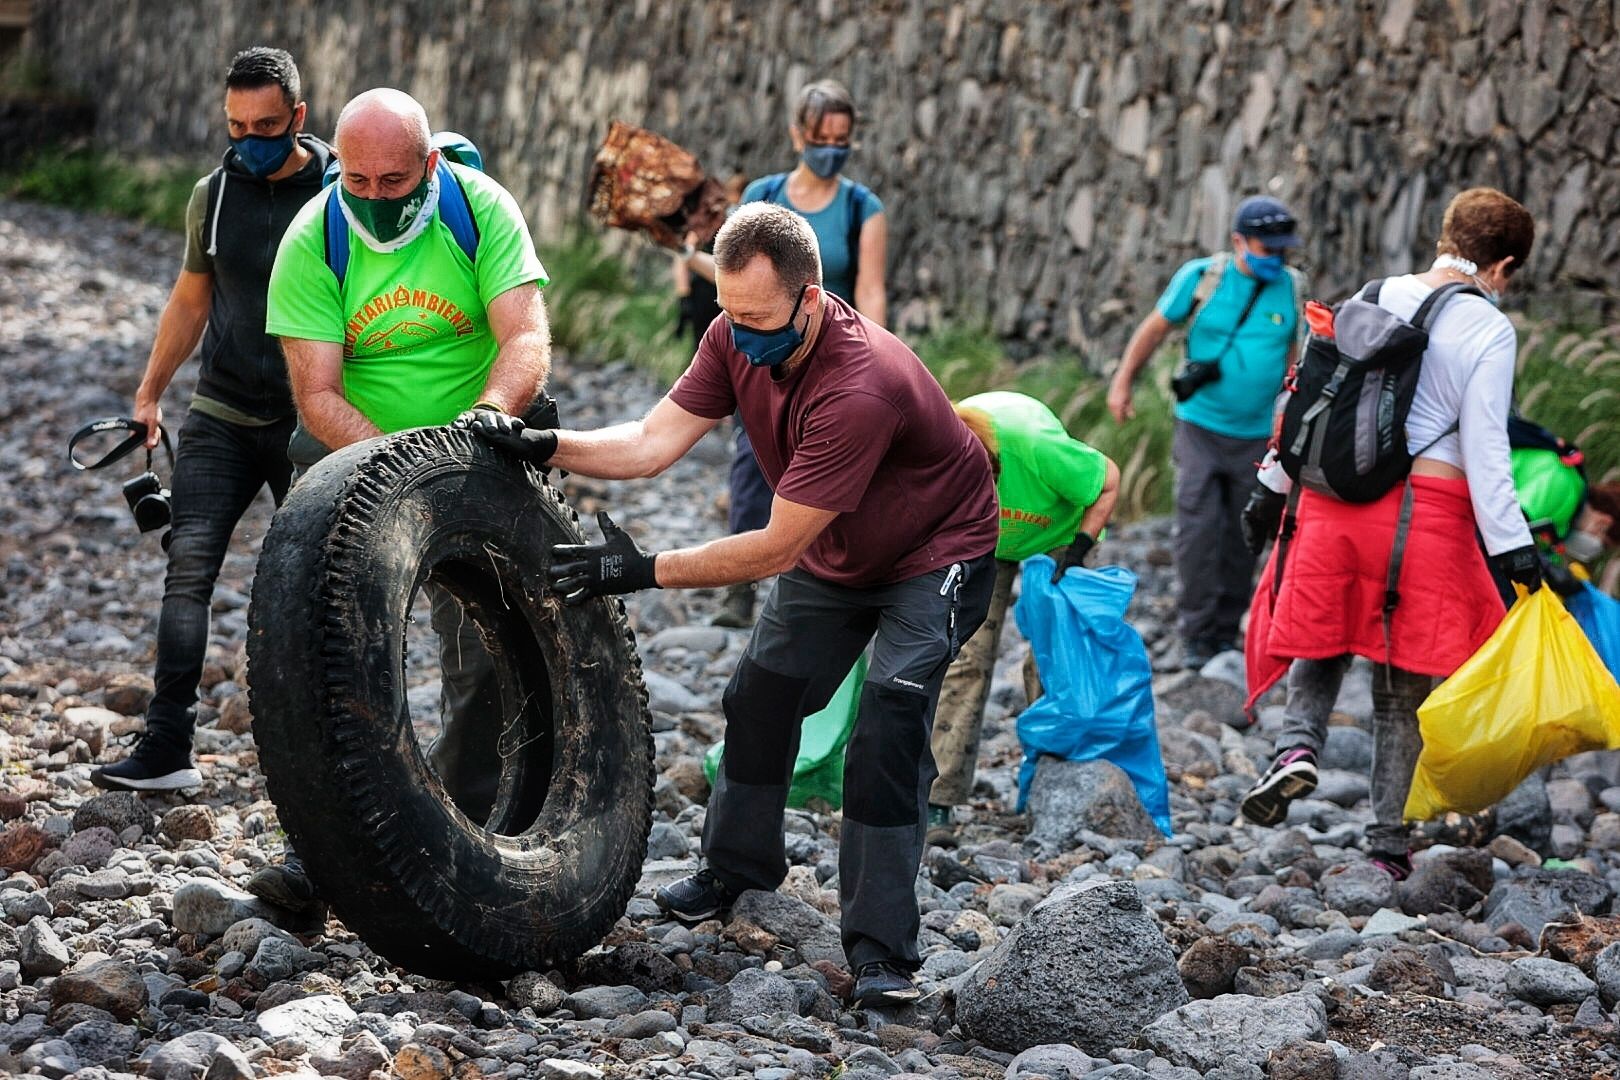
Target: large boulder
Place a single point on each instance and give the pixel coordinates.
(1537, 897)
(107, 984)
(793, 921)
(1067, 798)
(1236, 1028)
(1088, 967)
(1526, 814)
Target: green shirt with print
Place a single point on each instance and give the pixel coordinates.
(1048, 479)
(417, 347)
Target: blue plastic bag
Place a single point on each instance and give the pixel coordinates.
(1599, 615)
(1098, 699)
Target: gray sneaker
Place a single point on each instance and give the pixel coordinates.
(287, 886)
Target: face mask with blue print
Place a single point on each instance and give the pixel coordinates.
(825, 161)
(768, 348)
(1264, 267)
(262, 155)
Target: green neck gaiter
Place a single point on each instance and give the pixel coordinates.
(387, 219)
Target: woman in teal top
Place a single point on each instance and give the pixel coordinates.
(853, 235)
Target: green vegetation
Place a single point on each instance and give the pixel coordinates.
(94, 180)
(1569, 381)
(602, 309)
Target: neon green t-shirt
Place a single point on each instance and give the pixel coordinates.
(1048, 479)
(417, 347)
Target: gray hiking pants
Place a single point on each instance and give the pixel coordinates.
(1214, 476)
(1313, 688)
(809, 635)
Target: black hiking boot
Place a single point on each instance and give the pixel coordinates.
(153, 766)
(736, 607)
(883, 983)
(287, 886)
(695, 898)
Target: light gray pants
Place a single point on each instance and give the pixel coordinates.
(1313, 688)
(1214, 476)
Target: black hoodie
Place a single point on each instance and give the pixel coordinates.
(242, 225)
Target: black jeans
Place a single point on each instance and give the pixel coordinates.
(219, 468)
(808, 637)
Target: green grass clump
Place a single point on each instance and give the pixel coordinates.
(84, 179)
(602, 310)
(1569, 382)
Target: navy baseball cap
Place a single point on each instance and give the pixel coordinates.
(1268, 220)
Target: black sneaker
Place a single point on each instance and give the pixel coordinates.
(695, 898)
(1197, 652)
(151, 767)
(883, 983)
(1291, 776)
(286, 885)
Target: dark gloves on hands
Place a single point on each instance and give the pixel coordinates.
(1074, 555)
(534, 445)
(1262, 515)
(1522, 566)
(617, 565)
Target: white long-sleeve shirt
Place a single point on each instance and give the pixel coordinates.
(1467, 378)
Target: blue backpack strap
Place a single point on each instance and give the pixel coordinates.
(774, 191)
(337, 236)
(456, 212)
(858, 196)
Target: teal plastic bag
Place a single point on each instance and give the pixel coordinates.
(818, 771)
(1098, 683)
(1599, 615)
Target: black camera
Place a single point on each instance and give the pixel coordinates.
(1194, 377)
(148, 500)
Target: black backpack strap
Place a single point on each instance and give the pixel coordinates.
(857, 202)
(1285, 537)
(1429, 310)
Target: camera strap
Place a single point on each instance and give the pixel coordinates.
(1254, 298)
(136, 438)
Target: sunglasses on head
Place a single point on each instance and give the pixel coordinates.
(1270, 225)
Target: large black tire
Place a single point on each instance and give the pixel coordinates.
(551, 870)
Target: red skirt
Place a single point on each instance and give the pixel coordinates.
(1331, 600)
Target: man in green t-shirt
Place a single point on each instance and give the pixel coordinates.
(414, 330)
(1055, 492)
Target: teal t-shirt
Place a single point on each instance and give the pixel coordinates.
(1240, 403)
(831, 224)
(417, 346)
(1048, 479)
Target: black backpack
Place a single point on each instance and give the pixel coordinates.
(1344, 425)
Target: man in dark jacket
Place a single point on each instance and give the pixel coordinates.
(234, 440)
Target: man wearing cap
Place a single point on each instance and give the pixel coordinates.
(1242, 309)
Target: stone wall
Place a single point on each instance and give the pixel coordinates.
(1045, 165)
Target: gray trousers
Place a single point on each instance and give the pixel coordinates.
(1214, 476)
(1313, 688)
(809, 635)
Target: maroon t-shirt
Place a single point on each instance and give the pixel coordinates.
(861, 428)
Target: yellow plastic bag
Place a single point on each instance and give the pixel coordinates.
(1534, 693)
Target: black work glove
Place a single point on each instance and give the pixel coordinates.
(1262, 515)
(581, 571)
(1557, 574)
(1074, 555)
(534, 445)
(1522, 566)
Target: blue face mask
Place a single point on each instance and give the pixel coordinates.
(262, 155)
(1264, 267)
(767, 348)
(825, 161)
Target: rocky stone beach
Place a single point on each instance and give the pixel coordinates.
(1074, 941)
